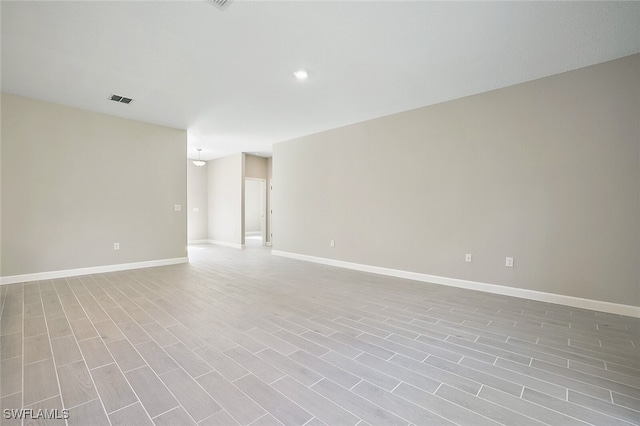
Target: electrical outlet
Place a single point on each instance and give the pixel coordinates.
(332, 243)
(467, 258)
(177, 207)
(509, 262)
(116, 246)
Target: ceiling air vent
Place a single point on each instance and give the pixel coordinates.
(121, 99)
(220, 4)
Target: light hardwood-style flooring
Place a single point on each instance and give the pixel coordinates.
(244, 337)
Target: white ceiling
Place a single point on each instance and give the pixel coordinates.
(226, 76)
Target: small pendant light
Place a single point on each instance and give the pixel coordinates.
(199, 162)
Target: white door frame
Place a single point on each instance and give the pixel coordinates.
(270, 243)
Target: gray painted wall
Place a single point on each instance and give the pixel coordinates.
(255, 167)
(547, 172)
(197, 188)
(75, 182)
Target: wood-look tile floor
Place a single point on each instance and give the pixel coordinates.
(243, 337)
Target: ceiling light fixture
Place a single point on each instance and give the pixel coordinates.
(301, 74)
(121, 99)
(199, 162)
(220, 4)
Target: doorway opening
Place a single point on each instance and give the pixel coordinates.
(255, 212)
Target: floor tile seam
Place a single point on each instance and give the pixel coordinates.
(606, 378)
(24, 364)
(483, 331)
(567, 402)
(324, 346)
(175, 408)
(359, 396)
(362, 341)
(11, 394)
(392, 332)
(627, 396)
(87, 338)
(516, 353)
(445, 371)
(526, 376)
(613, 382)
(264, 415)
(351, 388)
(13, 357)
(361, 363)
(201, 375)
(621, 352)
(401, 397)
(271, 387)
(17, 332)
(62, 399)
(34, 335)
(362, 317)
(124, 408)
(238, 345)
(419, 350)
(55, 369)
(499, 349)
(322, 396)
(501, 404)
(21, 322)
(359, 322)
(578, 334)
(394, 317)
(623, 407)
(310, 420)
(571, 354)
(603, 343)
(570, 379)
(249, 373)
(83, 403)
(479, 371)
(268, 346)
(228, 413)
(435, 394)
(44, 399)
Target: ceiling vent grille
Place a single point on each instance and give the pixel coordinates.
(220, 4)
(121, 99)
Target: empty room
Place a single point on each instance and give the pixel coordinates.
(230, 212)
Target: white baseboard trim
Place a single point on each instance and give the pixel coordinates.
(39, 276)
(190, 242)
(269, 244)
(226, 244)
(216, 242)
(577, 302)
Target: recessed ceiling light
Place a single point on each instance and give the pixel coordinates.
(301, 74)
